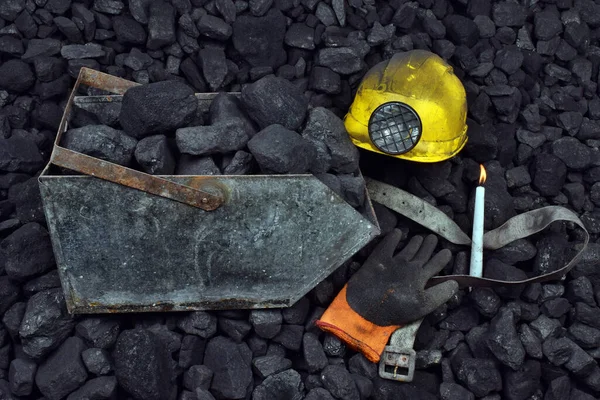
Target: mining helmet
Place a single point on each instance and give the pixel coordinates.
(411, 106)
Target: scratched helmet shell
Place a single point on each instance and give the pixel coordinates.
(411, 106)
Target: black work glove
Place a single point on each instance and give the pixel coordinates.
(390, 289)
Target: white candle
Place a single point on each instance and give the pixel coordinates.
(478, 219)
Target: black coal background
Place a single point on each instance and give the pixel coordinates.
(530, 71)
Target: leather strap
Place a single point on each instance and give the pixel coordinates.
(518, 227)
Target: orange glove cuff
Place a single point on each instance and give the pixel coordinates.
(358, 333)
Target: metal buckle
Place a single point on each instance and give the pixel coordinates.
(398, 359)
(397, 364)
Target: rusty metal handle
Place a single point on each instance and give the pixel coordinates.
(101, 80)
(135, 179)
(108, 171)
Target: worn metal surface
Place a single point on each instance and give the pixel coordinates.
(398, 359)
(273, 239)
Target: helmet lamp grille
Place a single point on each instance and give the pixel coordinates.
(395, 128)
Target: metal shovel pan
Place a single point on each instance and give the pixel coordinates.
(126, 241)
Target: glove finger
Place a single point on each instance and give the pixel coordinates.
(436, 264)
(385, 249)
(426, 250)
(438, 295)
(378, 260)
(409, 251)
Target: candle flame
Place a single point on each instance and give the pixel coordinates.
(482, 175)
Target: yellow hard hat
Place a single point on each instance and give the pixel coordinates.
(411, 106)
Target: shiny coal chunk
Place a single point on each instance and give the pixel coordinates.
(280, 150)
(231, 365)
(63, 371)
(102, 142)
(157, 108)
(46, 323)
(260, 39)
(143, 366)
(273, 100)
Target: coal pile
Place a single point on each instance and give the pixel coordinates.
(531, 77)
(162, 130)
